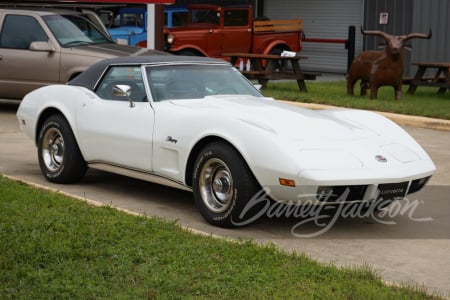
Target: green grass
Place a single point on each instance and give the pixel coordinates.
(425, 102)
(55, 247)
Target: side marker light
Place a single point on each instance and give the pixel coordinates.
(286, 182)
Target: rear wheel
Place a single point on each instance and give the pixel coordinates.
(280, 65)
(223, 185)
(60, 159)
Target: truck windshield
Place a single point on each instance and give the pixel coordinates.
(75, 30)
(132, 19)
(197, 81)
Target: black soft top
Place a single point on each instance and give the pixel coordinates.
(90, 77)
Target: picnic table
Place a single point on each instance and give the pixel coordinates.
(265, 67)
(441, 78)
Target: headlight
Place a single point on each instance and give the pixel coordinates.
(170, 38)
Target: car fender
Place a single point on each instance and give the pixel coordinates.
(76, 61)
(269, 45)
(39, 104)
(269, 162)
(181, 139)
(190, 48)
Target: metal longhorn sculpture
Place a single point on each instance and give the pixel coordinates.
(381, 68)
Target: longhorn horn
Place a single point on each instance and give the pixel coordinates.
(375, 32)
(419, 36)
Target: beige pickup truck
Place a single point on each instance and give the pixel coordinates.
(45, 46)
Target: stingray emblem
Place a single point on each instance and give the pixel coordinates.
(381, 158)
(171, 139)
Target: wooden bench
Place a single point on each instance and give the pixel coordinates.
(441, 78)
(283, 75)
(408, 80)
(265, 67)
(311, 75)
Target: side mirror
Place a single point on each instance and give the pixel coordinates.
(123, 90)
(42, 47)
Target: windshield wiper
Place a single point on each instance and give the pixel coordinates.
(76, 43)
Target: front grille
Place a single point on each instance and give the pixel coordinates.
(341, 193)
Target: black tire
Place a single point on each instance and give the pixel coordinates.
(280, 65)
(223, 185)
(59, 157)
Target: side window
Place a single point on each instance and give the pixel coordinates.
(18, 32)
(205, 16)
(236, 18)
(133, 19)
(122, 75)
(179, 18)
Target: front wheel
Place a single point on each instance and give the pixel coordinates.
(224, 187)
(60, 159)
(188, 52)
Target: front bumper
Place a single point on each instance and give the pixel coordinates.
(363, 185)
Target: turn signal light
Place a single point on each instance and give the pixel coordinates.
(286, 182)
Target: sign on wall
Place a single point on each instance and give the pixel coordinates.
(384, 18)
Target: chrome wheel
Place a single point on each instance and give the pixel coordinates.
(222, 185)
(60, 159)
(216, 185)
(53, 149)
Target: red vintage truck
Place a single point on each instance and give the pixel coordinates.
(213, 30)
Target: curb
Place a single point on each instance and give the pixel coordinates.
(422, 122)
(95, 203)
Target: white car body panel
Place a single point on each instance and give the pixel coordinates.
(124, 140)
(313, 148)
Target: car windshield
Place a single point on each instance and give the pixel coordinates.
(75, 30)
(197, 81)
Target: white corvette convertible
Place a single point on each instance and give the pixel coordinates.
(197, 123)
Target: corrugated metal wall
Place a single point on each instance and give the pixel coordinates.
(434, 14)
(399, 20)
(330, 19)
(400, 14)
(321, 19)
(406, 16)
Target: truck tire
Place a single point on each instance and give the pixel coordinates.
(188, 52)
(280, 65)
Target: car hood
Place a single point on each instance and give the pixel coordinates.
(113, 50)
(284, 120)
(336, 138)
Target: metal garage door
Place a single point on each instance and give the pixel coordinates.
(322, 19)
